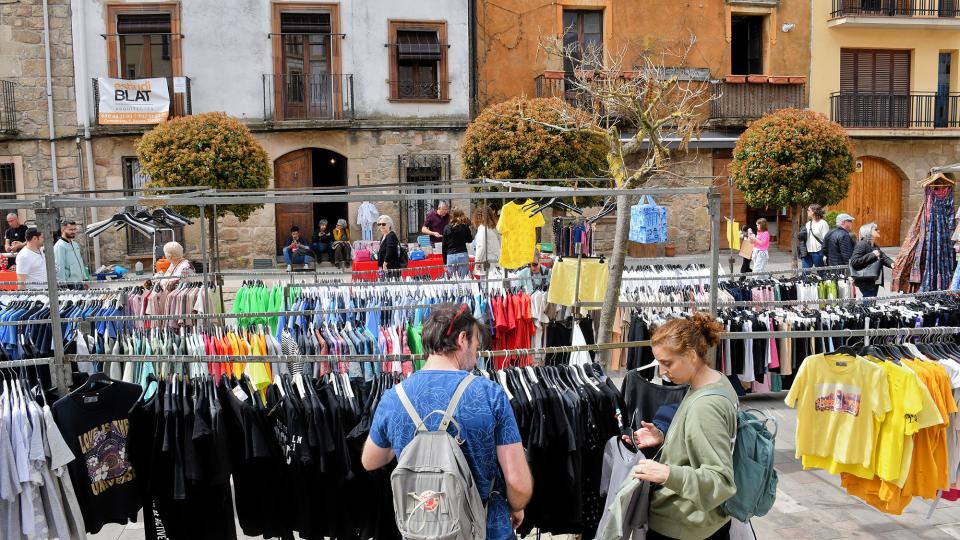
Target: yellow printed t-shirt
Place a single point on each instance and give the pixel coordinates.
(518, 235)
(563, 281)
(839, 400)
(897, 429)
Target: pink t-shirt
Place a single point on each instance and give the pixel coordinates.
(762, 241)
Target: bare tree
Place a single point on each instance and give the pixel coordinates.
(635, 109)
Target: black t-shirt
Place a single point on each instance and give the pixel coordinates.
(16, 234)
(96, 425)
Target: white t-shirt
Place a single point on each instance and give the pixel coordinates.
(820, 228)
(30, 264)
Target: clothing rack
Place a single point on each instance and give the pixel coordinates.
(774, 303)
(26, 363)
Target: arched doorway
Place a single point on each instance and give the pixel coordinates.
(875, 196)
(308, 168)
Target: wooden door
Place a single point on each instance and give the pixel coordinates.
(721, 162)
(874, 196)
(292, 171)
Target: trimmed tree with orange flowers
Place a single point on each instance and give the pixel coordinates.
(791, 159)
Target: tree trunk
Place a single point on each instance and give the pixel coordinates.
(616, 262)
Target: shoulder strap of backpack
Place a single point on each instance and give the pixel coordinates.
(455, 400)
(715, 392)
(405, 400)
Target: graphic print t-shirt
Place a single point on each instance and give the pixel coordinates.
(95, 426)
(841, 401)
(484, 414)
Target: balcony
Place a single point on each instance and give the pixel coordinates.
(555, 84)
(180, 104)
(8, 109)
(896, 111)
(740, 98)
(291, 98)
(923, 14)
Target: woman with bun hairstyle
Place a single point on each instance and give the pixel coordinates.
(695, 471)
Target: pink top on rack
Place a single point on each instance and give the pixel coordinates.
(762, 241)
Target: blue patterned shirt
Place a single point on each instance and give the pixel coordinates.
(484, 414)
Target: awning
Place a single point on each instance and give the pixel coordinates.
(418, 45)
(708, 139)
(143, 23)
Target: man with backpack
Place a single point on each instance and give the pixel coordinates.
(457, 440)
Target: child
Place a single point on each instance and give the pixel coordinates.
(746, 249)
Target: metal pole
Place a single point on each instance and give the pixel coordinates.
(576, 289)
(733, 258)
(48, 220)
(203, 247)
(713, 202)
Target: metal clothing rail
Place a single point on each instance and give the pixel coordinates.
(775, 303)
(254, 315)
(26, 363)
(283, 359)
(850, 332)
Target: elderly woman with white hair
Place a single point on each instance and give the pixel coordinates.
(179, 265)
(868, 260)
(389, 254)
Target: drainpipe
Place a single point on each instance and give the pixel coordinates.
(472, 32)
(50, 128)
(83, 104)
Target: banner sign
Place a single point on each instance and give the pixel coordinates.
(133, 101)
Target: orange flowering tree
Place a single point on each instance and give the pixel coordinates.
(503, 142)
(212, 150)
(793, 158)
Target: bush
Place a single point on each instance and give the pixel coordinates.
(793, 157)
(510, 140)
(211, 150)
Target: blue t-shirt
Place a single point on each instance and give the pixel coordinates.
(484, 415)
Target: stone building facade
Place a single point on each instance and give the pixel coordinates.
(25, 150)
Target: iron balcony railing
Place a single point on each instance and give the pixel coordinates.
(319, 96)
(753, 100)
(895, 110)
(896, 8)
(8, 108)
(415, 90)
(180, 103)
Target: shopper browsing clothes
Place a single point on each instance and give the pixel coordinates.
(695, 471)
(66, 252)
(869, 259)
(388, 257)
(15, 237)
(761, 246)
(179, 265)
(31, 269)
(456, 236)
(487, 426)
(436, 221)
(487, 241)
(838, 245)
(814, 232)
(534, 275)
(296, 250)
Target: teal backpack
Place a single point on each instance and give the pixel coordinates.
(753, 472)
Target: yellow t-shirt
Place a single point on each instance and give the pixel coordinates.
(839, 400)
(563, 281)
(518, 233)
(896, 431)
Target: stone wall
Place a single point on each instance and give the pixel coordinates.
(913, 158)
(22, 61)
(372, 159)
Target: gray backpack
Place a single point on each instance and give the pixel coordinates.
(434, 494)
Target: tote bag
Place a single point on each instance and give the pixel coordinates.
(648, 222)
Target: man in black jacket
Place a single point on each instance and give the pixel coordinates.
(838, 243)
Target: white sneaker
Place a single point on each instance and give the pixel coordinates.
(289, 268)
(306, 266)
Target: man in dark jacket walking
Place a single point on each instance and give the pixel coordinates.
(838, 243)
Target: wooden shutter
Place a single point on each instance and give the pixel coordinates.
(848, 70)
(875, 71)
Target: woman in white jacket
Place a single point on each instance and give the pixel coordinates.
(486, 241)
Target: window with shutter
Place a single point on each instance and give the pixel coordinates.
(874, 88)
(418, 61)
